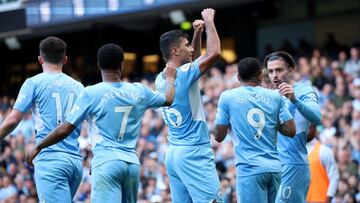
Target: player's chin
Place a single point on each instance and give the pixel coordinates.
(277, 83)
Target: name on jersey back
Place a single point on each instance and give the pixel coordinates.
(116, 93)
(254, 98)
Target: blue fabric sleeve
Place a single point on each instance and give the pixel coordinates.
(222, 113)
(26, 96)
(308, 106)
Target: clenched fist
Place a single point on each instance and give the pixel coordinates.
(198, 25)
(208, 14)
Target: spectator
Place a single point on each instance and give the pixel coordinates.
(352, 66)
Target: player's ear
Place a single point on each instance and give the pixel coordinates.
(65, 60)
(41, 60)
(238, 77)
(174, 51)
(291, 69)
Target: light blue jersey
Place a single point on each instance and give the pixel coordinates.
(185, 117)
(50, 97)
(114, 111)
(305, 110)
(295, 177)
(254, 114)
(58, 168)
(189, 160)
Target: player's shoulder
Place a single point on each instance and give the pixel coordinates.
(160, 82)
(75, 81)
(304, 88)
(137, 85)
(271, 92)
(38, 78)
(92, 89)
(229, 93)
(159, 77)
(185, 67)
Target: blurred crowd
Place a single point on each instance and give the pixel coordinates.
(333, 70)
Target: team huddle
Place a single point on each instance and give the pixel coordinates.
(268, 125)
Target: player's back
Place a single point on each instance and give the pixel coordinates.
(254, 116)
(185, 117)
(115, 114)
(293, 150)
(50, 96)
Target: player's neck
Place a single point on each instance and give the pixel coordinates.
(176, 62)
(111, 75)
(51, 68)
(250, 83)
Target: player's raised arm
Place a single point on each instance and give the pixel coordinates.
(55, 136)
(213, 48)
(198, 26)
(170, 75)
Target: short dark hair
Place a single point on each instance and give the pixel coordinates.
(169, 39)
(53, 50)
(110, 56)
(249, 68)
(280, 55)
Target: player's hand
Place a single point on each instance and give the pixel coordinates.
(198, 26)
(287, 90)
(170, 70)
(208, 14)
(30, 157)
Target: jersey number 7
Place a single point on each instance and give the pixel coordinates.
(126, 110)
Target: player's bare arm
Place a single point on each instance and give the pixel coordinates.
(170, 75)
(213, 49)
(198, 26)
(55, 136)
(288, 128)
(10, 123)
(312, 132)
(220, 132)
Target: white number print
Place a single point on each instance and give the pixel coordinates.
(126, 110)
(286, 192)
(168, 112)
(256, 124)
(58, 105)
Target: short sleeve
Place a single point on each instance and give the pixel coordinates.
(80, 110)
(222, 113)
(189, 73)
(26, 96)
(152, 98)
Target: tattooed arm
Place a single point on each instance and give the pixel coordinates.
(287, 128)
